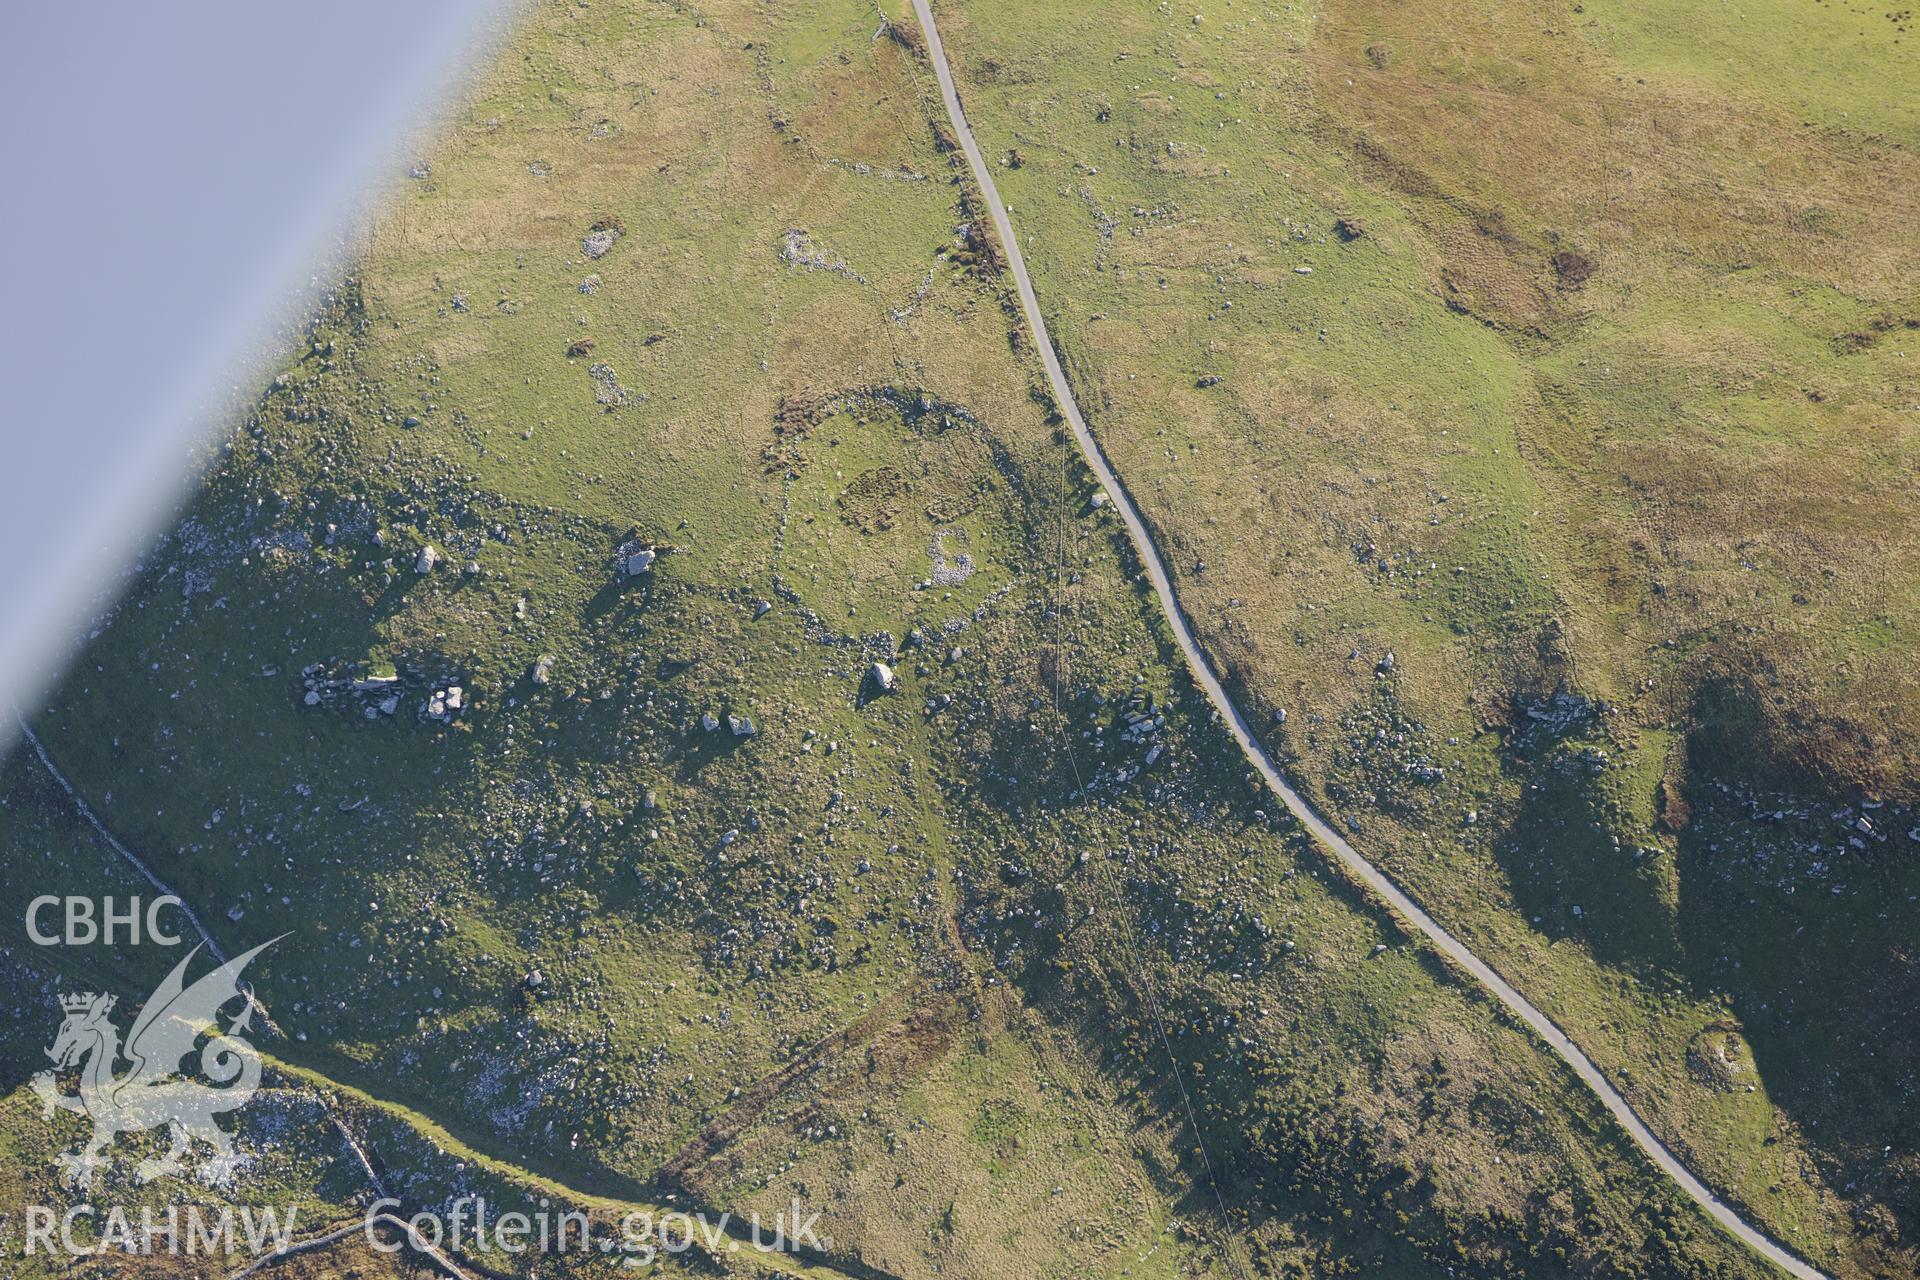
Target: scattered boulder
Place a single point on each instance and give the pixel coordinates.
(742, 726)
(606, 385)
(542, 669)
(444, 704)
(428, 558)
(640, 561)
(883, 677)
(600, 237)
(798, 249)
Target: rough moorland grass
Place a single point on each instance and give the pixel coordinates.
(1525, 347)
(856, 957)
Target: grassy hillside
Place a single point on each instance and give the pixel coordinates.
(517, 659)
(1524, 395)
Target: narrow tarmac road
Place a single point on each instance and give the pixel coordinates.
(1454, 950)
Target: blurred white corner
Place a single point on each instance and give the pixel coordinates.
(178, 178)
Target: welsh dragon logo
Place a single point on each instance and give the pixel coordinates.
(153, 1092)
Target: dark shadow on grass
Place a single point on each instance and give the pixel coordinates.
(1559, 857)
(1825, 984)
